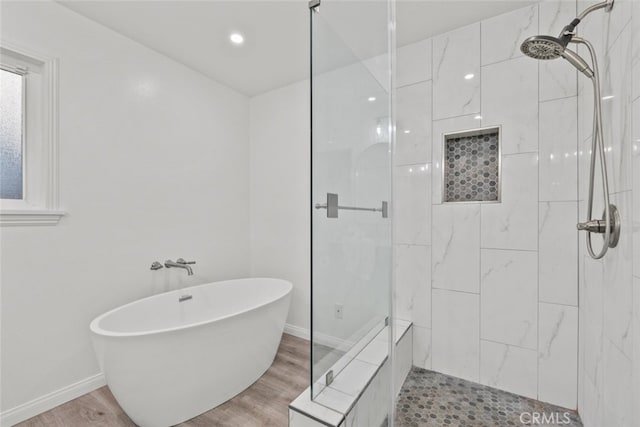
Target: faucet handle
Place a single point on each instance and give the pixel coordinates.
(156, 265)
(182, 261)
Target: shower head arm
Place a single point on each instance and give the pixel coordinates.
(607, 5)
(568, 32)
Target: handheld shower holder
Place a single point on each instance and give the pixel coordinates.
(599, 226)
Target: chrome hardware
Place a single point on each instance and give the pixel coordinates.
(156, 265)
(332, 207)
(169, 264)
(185, 298)
(182, 261)
(314, 3)
(594, 226)
(599, 226)
(329, 377)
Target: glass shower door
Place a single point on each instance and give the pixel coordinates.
(351, 183)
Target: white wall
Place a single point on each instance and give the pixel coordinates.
(279, 192)
(153, 161)
(609, 392)
(491, 289)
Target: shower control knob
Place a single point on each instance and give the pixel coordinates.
(594, 226)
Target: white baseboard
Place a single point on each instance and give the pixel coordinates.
(297, 331)
(49, 401)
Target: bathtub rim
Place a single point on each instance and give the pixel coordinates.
(99, 331)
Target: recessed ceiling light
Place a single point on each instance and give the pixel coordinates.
(478, 117)
(236, 38)
(371, 98)
(407, 131)
(604, 98)
(469, 76)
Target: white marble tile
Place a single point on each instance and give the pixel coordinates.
(374, 353)
(422, 347)
(354, 377)
(508, 225)
(636, 50)
(509, 297)
(412, 210)
(592, 319)
(304, 405)
(603, 28)
(618, 389)
(413, 128)
(456, 54)
(456, 247)
(502, 35)
(636, 346)
(618, 282)
(592, 412)
(374, 404)
(558, 355)
(509, 368)
(558, 79)
(378, 66)
(335, 399)
(455, 334)
(413, 284)
(413, 63)
(297, 419)
(616, 111)
(441, 127)
(403, 361)
(558, 253)
(636, 185)
(510, 99)
(558, 150)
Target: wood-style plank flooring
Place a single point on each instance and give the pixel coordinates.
(265, 403)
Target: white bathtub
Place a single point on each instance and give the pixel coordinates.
(167, 361)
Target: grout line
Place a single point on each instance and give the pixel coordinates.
(417, 82)
(509, 250)
(538, 237)
(510, 345)
(456, 290)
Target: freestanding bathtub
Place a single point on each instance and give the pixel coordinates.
(168, 358)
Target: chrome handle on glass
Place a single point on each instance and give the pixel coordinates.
(182, 261)
(332, 207)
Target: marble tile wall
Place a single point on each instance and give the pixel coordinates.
(492, 289)
(609, 357)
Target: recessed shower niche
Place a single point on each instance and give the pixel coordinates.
(471, 166)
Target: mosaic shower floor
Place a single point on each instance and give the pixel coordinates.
(429, 398)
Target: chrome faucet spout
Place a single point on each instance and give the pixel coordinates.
(171, 264)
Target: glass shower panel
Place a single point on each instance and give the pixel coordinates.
(351, 182)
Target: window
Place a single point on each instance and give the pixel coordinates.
(28, 138)
(11, 133)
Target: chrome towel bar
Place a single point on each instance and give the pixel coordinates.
(332, 207)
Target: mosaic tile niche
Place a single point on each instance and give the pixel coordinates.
(471, 169)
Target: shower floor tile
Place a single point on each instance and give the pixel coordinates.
(429, 398)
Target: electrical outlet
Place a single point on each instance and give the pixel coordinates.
(339, 310)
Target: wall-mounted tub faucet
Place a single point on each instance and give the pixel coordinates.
(156, 265)
(180, 263)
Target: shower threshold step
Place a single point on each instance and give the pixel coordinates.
(362, 385)
(430, 398)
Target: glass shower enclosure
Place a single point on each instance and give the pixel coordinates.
(351, 152)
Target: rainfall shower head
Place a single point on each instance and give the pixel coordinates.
(548, 47)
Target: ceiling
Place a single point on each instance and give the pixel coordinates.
(276, 48)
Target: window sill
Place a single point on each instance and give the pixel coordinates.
(30, 217)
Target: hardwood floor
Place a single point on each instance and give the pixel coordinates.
(265, 403)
